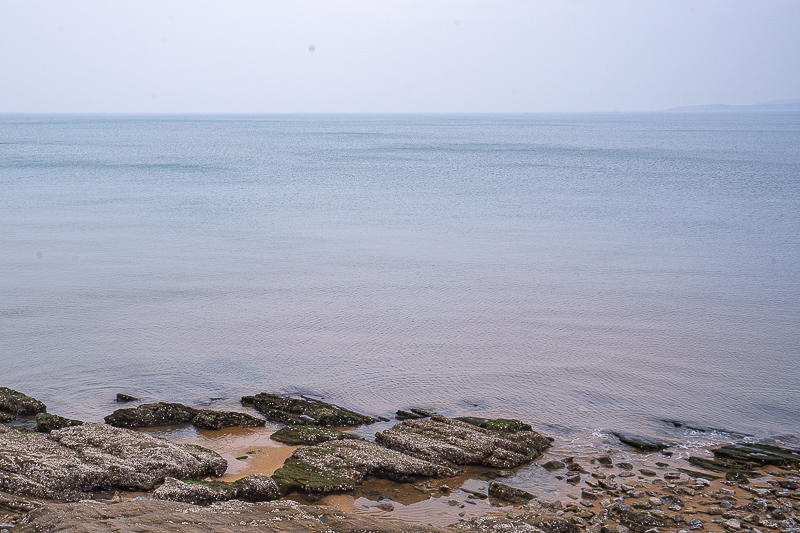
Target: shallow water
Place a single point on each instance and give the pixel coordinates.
(579, 272)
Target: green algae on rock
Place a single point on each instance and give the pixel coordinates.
(304, 411)
(309, 435)
(19, 404)
(167, 414)
(340, 466)
(448, 441)
(47, 422)
(255, 487)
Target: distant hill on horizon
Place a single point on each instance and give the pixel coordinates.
(775, 107)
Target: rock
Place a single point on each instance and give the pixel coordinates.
(259, 488)
(720, 466)
(157, 516)
(194, 492)
(635, 521)
(761, 454)
(123, 398)
(304, 411)
(406, 415)
(168, 414)
(447, 441)
(255, 487)
(309, 435)
(501, 491)
(6, 417)
(207, 419)
(340, 466)
(553, 465)
(72, 462)
(152, 415)
(46, 422)
(641, 442)
(17, 403)
(502, 426)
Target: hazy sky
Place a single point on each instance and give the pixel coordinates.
(394, 56)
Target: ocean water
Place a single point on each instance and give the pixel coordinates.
(575, 271)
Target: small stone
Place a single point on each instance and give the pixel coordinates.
(733, 525)
(647, 472)
(122, 398)
(385, 506)
(695, 524)
(553, 465)
(574, 478)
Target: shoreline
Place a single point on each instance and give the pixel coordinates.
(580, 482)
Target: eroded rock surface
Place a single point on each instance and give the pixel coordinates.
(255, 487)
(304, 411)
(339, 466)
(642, 442)
(71, 463)
(443, 440)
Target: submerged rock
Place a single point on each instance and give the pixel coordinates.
(255, 487)
(309, 435)
(72, 462)
(304, 411)
(167, 414)
(447, 441)
(340, 466)
(19, 404)
(641, 442)
(46, 422)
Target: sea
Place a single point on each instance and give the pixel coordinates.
(582, 272)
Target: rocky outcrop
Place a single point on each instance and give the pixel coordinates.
(443, 440)
(760, 454)
(309, 435)
(46, 422)
(124, 398)
(304, 411)
(340, 466)
(255, 487)
(167, 414)
(18, 404)
(71, 463)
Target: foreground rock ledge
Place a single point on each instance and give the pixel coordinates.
(152, 516)
(72, 463)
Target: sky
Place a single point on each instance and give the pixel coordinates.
(399, 56)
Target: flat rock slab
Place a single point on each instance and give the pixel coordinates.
(340, 466)
(304, 411)
(447, 441)
(255, 487)
(154, 516)
(309, 435)
(642, 442)
(19, 404)
(71, 463)
(761, 454)
(168, 414)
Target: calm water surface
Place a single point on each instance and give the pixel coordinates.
(576, 271)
